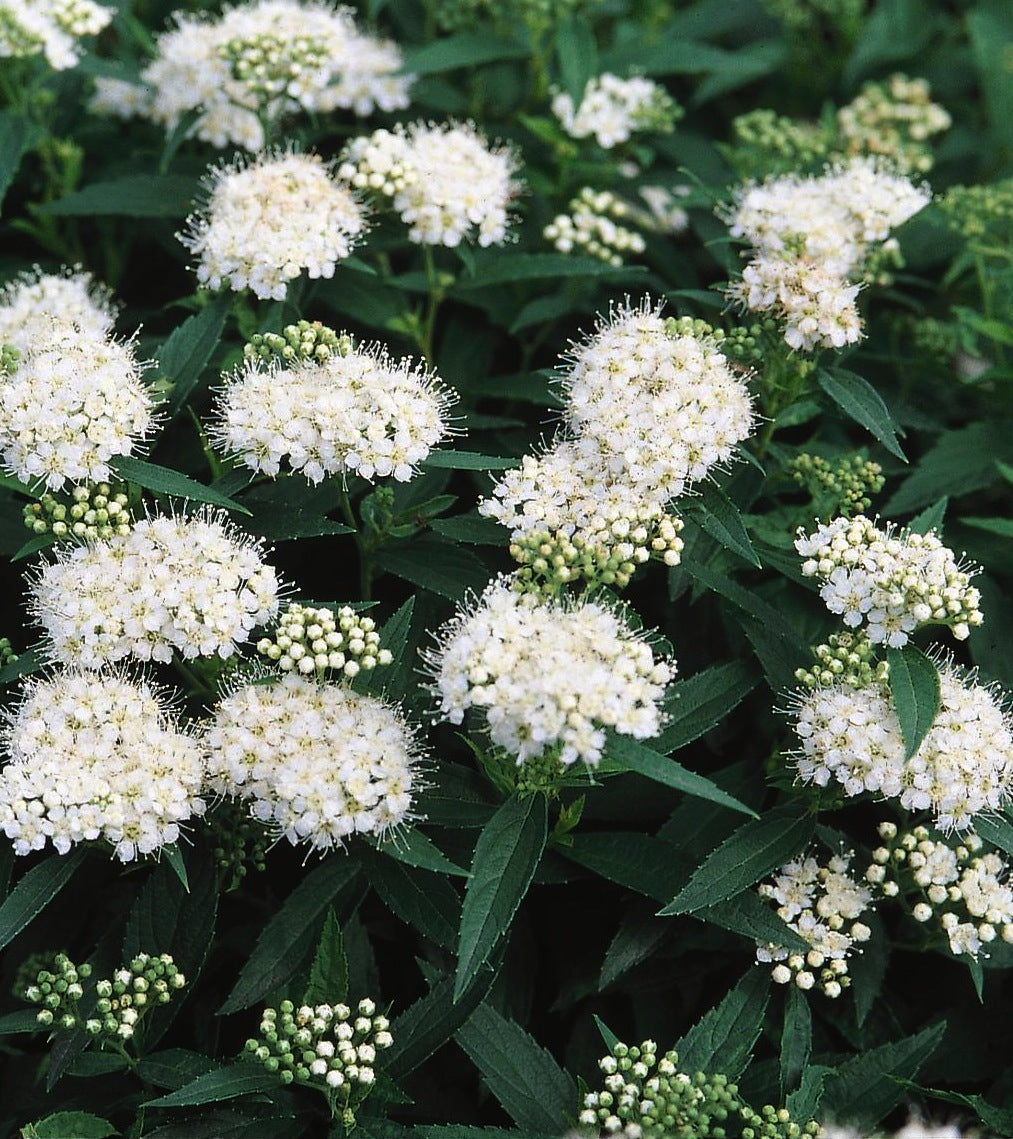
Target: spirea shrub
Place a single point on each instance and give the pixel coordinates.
(505, 546)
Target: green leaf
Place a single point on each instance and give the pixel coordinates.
(609, 1037)
(421, 899)
(467, 461)
(467, 49)
(436, 565)
(162, 480)
(531, 1087)
(634, 942)
(577, 54)
(134, 196)
(634, 756)
(865, 1088)
(35, 891)
(932, 517)
(914, 683)
(25, 1020)
(70, 1125)
(472, 529)
(31, 660)
(697, 704)
(715, 513)
(747, 855)
(749, 63)
(414, 848)
(990, 30)
(772, 619)
(858, 399)
(186, 351)
(1003, 527)
(796, 1039)
(804, 1104)
(639, 862)
(513, 268)
(868, 968)
(750, 917)
(280, 948)
(223, 1083)
(328, 981)
(506, 857)
(174, 856)
(174, 1067)
(17, 136)
(722, 1040)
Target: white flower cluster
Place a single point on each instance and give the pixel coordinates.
(73, 403)
(38, 306)
(445, 181)
(592, 227)
(194, 585)
(313, 640)
(812, 239)
(548, 675)
(822, 905)
(355, 411)
(964, 765)
(257, 63)
(892, 582)
(317, 761)
(647, 414)
(49, 27)
(970, 890)
(132, 992)
(913, 1129)
(97, 756)
(893, 119)
(268, 221)
(613, 109)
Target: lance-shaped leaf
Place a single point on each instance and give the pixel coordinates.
(914, 683)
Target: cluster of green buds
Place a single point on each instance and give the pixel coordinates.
(9, 356)
(332, 1047)
(535, 15)
(270, 67)
(645, 1097)
(768, 143)
(549, 561)
(306, 340)
(100, 511)
(132, 992)
(592, 226)
(893, 119)
(240, 843)
(7, 653)
(844, 487)
(806, 18)
(981, 214)
(314, 641)
(847, 658)
(939, 340)
(744, 344)
(58, 991)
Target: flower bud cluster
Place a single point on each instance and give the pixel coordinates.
(769, 143)
(96, 512)
(313, 641)
(847, 658)
(845, 487)
(822, 905)
(591, 226)
(239, 844)
(332, 1047)
(982, 214)
(892, 581)
(893, 119)
(51, 28)
(305, 340)
(131, 993)
(613, 109)
(742, 343)
(7, 653)
(58, 991)
(270, 65)
(967, 890)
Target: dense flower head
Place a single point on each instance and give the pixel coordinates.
(444, 180)
(315, 640)
(191, 585)
(891, 582)
(266, 60)
(268, 221)
(822, 905)
(37, 306)
(613, 109)
(49, 27)
(74, 402)
(317, 762)
(547, 674)
(354, 411)
(963, 766)
(96, 755)
(593, 227)
(894, 119)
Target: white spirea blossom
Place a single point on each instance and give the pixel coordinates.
(444, 180)
(73, 403)
(913, 1129)
(548, 675)
(317, 761)
(355, 411)
(964, 765)
(194, 585)
(119, 98)
(37, 306)
(593, 227)
(822, 904)
(892, 582)
(49, 27)
(97, 756)
(267, 222)
(267, 60)
(613, 109)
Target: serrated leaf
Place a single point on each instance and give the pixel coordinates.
(277, 955)
(914, 684)
(858, 399)
(531, 1087)
(804, 1104)
(747, 855)
(796, 1039)
(24, 1020)
(223, 1083)
(699, 703)
(186, 351)
(639, 862)
(1003, 527)
(467, 49)
(634, 756)
(513, 268)
(472, 529)
(467, 461)
(634, 941)
(715, 513)
(722, 1039)
(174, 1068)
(414, 848)
(35, 891)
(421, 899)
(765, 614)
(506, 857)
(607, 1035)
(70, 1125)
(328, 980)
(931, 518)
(749, 916)
(577, 54)
(868, 968)
(162, 480)
(174, 856)
(134, 196)
(436, 565)
(31, 660)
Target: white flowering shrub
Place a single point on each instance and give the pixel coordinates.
(505, 540)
